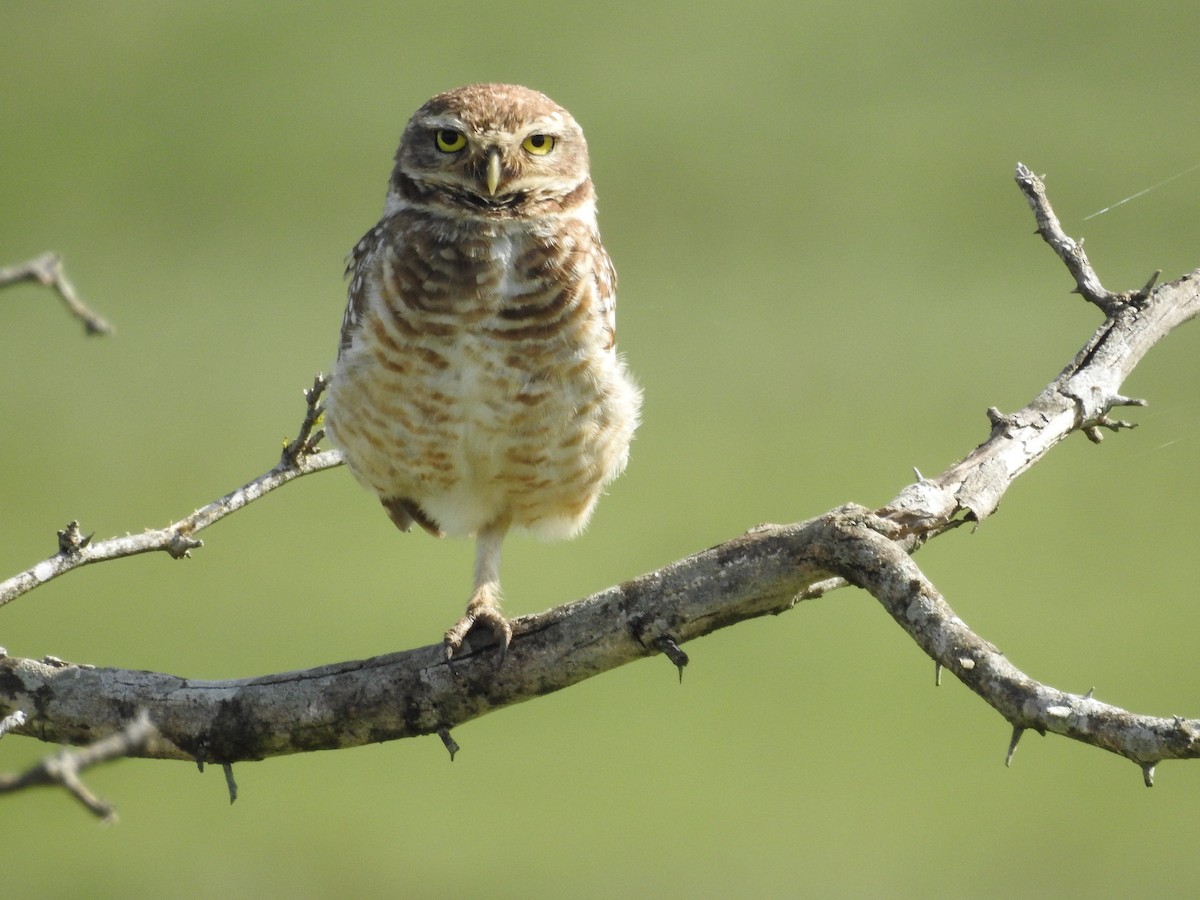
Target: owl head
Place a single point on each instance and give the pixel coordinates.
(498, 149)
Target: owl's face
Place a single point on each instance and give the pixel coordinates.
(496, 148)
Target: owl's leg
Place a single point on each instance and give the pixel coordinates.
(483, 610)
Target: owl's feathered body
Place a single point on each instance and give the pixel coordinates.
(477, 385)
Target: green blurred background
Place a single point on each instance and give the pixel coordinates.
(827, 275)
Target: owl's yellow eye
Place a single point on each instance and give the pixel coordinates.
(538, 144)
(449, 140)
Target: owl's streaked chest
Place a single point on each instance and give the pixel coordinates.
(505, 302)
(468, 272)
(473, 345)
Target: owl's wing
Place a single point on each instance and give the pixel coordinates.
(606, 293)
(357, 265)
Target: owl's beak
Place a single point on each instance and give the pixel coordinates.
(493, 171)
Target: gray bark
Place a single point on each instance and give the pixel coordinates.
(765, 571)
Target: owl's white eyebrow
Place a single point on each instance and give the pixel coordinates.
(549, 124)
(445, 122)
(545, 126)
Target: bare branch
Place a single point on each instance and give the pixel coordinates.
(48, 270)
(1070, 251)
(178, 539)
(63, 768)
(307, 439)
(766, 571)
(417, 692)
(869, 556)
(1079, 399)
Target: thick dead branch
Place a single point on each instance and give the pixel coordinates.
(768, 570)
(48, 270)
(418, 692)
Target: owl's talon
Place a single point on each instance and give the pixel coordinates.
(488, 618)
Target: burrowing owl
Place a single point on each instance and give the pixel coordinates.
(478, 386)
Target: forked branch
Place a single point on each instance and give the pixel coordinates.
(766, 571)
(48, 270)
(63, 768)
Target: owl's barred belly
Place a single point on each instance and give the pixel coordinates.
(472, 440)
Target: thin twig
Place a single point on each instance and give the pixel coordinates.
(178, 539)
(1071, 252)
(309, 435)
(63, 768)
(48, 270)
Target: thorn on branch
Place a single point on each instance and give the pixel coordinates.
(1018, 730)
(48, 270)
(673, 652)
(1120, 400)
(1142, 294)
(1148, 774)
(201, 756)
(229, 782)
(307, 439)
(451, 744)
(227, 768)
